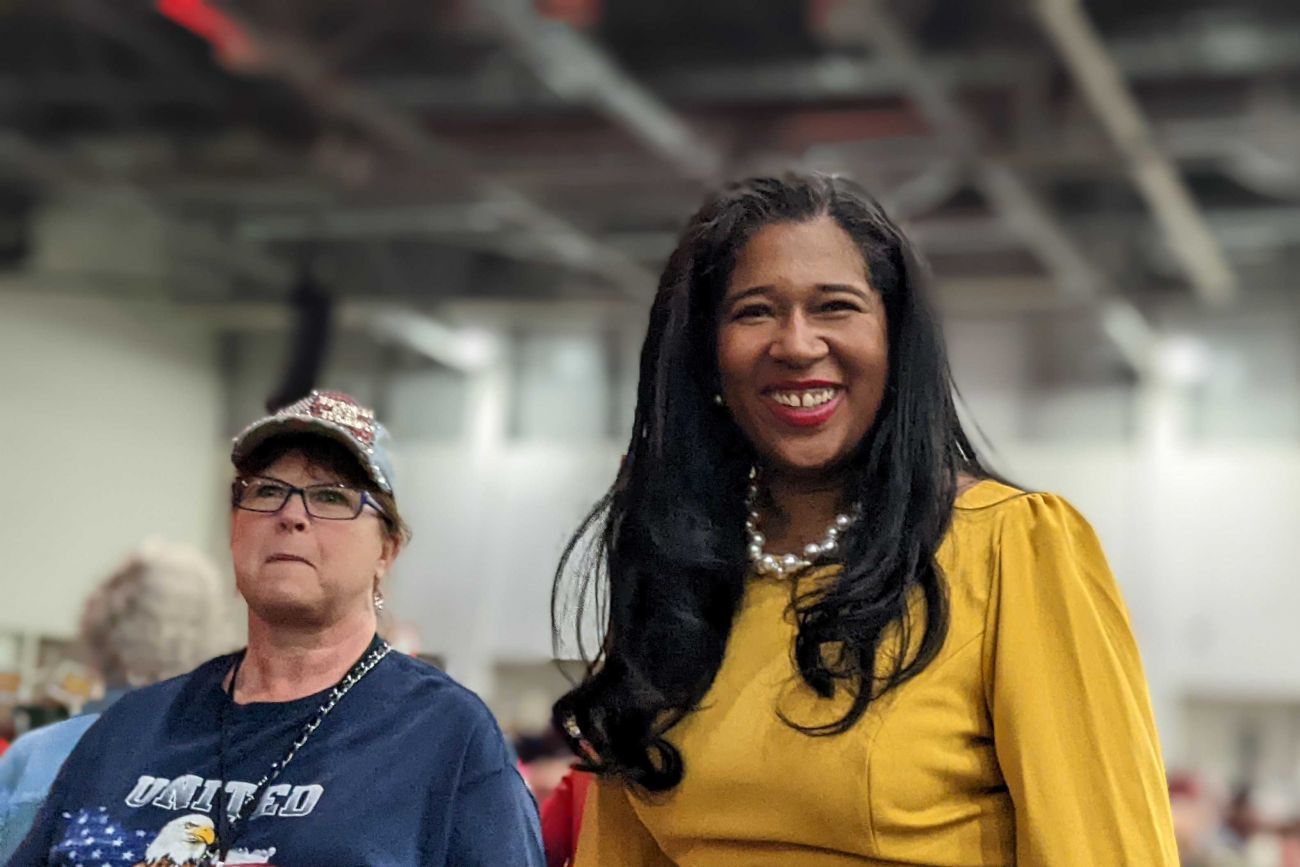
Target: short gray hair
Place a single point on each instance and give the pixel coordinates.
(161, 613)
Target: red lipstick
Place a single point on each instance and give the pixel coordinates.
(803, 417)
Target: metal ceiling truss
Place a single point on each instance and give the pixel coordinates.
(577, 70)
(1157, 180)
(1011, 197)
(297, 66)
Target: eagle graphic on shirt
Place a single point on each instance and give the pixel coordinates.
(186, 841)
(92, 837)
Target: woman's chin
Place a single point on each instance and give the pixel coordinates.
(285, 608)
(806, 460)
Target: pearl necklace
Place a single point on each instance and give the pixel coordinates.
(782, 566)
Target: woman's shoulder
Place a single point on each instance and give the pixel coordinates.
(33, 760)
(996, 506)
(432, 690)
(55, 737)
(439, 709)
(1019, 535)
(983, 494)
(998, 528)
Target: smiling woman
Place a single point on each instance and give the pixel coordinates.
(832, 637)
(269, 755)
(798, 325)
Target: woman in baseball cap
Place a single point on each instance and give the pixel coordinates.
(316, 744)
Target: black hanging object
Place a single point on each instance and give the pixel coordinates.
(313, 318)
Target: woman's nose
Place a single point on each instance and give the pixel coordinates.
(797, 342)
(293, 514)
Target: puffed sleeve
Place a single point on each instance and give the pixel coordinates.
(1072, 720)
(612, 833)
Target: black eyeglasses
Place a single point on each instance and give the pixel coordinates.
(333, 502)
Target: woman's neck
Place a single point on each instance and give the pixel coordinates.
(799, 510)
(286, 663)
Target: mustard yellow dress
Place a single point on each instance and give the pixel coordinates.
(1028, 741)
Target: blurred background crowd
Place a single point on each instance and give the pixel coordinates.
(456, 211)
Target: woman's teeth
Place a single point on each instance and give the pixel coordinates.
(804, 399)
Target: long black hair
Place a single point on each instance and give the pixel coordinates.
(665, 550)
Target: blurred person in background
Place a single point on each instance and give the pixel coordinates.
(160, 614)
(1241, 820)
(832, 637)
(1259, 826)
(562, 817)
(316, 744)
(1196, 825)
(544, 759)
(560, 790)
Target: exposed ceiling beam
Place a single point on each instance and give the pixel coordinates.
(475, 226)
(463, 349)
(196, 242)
(1248, 229)
(466, 350)
(479, 226)
(926, 190)
(1225, 49)
(576, 69)
(1157, 180)
(1075, 149)
(355, 224)
(1238, 229)
(1028, 215)
(297, 66)
(191, 239)
(128, 28)
(1241, 50)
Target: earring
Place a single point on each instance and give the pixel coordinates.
(379, 601)
(717, 398)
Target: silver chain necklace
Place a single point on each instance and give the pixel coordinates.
(227, 823)
(784, 565)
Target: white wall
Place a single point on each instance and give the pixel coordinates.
(487, 539)
(109, 421)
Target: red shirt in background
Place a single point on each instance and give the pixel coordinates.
(562, 818)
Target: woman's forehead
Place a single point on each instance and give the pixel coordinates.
(802, 253)
(294, 466)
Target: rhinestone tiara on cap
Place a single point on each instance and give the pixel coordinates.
(337, 408)
(334, 414)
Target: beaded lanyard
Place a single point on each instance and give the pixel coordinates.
(226, 824)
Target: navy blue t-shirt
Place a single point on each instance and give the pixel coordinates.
(409, 768)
